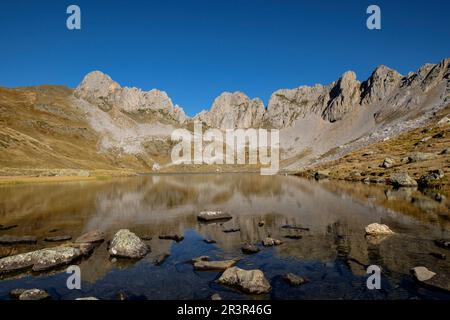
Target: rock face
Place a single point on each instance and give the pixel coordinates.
(126, 244)
(402, 179)
(249, 281)
(376, 229)
(99, 89)
(232, 111)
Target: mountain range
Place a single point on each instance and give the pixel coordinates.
(101, 125)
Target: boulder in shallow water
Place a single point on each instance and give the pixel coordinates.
(422, 273)
(212, 215)
(249, 248)
(249, 281)
(126, 244)
(376, 229)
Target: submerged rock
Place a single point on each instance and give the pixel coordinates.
(231, 230)
(442, 243)
(213, 215)
(159, 260)
(293, 236)
(7, 227)
(126, 244)
(294, 280)
(438, 255)
(174, 237)
(249, 248)
(214, 265)
(376, 229)
(288, 226)
(402, 179)
(209, 241)
(94, 236)
(18, 240)
(269, 242)
(249, 281)
(261, 223)
(58, 238)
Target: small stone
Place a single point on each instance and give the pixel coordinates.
(15, 293)
(261, 223)
(430, 177)
(249, 281)
(422, 273)
(249, 248)
(269, 242)
(200, 258)
(439, 135)
(34, 294)
(445, 151)
(146, 238)
(213, 215)
(294, 280)
(288, 226)
(375, 229)
(175, 237)
(121, 296)
(209, 241)
(216, 296)
(87, 299)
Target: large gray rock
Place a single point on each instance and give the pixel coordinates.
(402, 179)
(44, 259)
(420, 156)
(126, 244)
(249, 281)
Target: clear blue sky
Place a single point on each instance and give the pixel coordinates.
(195, 50)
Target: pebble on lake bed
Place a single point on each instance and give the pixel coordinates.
(294, 280)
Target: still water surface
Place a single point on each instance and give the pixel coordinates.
(335, 213)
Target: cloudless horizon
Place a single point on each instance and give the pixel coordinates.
(196, 49)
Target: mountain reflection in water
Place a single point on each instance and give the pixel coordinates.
(335, 213)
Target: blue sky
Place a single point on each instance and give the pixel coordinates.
(194, 50)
